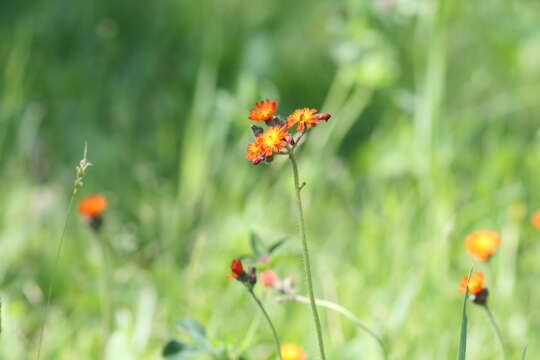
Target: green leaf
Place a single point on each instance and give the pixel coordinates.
(524, 355)
(256, 243)
(463, 335)
(176, 350)
(193, 328)
(172, 348)
(276, 245)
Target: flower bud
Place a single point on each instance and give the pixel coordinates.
(252, 276)
(237, 269)
(257, 130)
(257, 160)
(322, 116)
(274, 121)
(289, 139)
(269, 159)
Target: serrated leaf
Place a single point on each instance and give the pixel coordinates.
(193, 328)
(275, 246)
(256, 243)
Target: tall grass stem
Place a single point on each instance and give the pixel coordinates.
(53, 274)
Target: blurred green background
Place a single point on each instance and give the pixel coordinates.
(435, 133)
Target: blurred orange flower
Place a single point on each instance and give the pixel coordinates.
(268, 278)
(273, 139)
(263, 110)
(292, 352)
(535, 219)
(303, 117)
(482, 243)
(93, 205)
(476, 283)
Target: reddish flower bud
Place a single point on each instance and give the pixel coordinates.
(257, 160)
(289, 139)
(237, 268)
(322, 116)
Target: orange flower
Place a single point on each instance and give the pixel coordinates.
(535, 219)
(476, 283)
(273, 139)
(482, 244)
(92, 205)
(254, 149)
(263, 111)
(292, 352)
(305, 117)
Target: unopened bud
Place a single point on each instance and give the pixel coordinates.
(252, 276)
(275, 121)
(257, 160)
(289, 139)
(257, 130)
(269, 159)
(322, 116)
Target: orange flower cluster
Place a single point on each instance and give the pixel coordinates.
(92, 207)
(276, 137)
(535, 219)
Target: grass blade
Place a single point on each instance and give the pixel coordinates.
(463, 335)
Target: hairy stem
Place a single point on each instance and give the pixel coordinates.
(343, 311)
(274, 332)
(496, 328)
(307, 264)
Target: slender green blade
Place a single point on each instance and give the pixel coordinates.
(524, 355)
(463, 335)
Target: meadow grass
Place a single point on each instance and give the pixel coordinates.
(434, 134)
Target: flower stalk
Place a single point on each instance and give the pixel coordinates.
(307, 263)
(270, 323)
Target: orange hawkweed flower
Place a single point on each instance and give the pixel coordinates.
(535, 219)
(476, 283)
(482, 244)
(292, 352)
(305, 117)
(93, 205)
(263, 110)
(273, 139)
(254, 150)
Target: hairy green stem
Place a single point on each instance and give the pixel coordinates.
(496, 328)
(343, 311)
(307, 264)
(274, 332)
(53, 275)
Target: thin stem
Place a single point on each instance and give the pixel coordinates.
(53, 275)
(105, 290)
(307, 264)
(274, 332)
(343, 311)
(496, 328)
